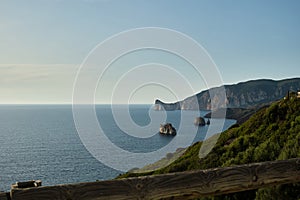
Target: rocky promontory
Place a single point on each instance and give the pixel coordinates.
(241, 95)
(159, 105)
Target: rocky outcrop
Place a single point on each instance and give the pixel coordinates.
(241, 95)
(159, 105)
(199, 121)
(208, 122)
(167, 129)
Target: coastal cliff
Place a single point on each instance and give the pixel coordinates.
(241, 95)
(272, 133)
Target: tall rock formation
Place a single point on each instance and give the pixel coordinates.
(241, 95)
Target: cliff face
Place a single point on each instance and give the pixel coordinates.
(159, 105)
(241, 95)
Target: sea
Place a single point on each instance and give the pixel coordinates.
(42, 142)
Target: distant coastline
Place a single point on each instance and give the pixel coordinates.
(241, 95)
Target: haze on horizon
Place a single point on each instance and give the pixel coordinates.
(43, 43)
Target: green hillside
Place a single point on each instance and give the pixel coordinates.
(273, 133)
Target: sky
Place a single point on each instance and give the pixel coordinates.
(43, 43)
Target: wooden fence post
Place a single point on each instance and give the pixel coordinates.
(4, 196)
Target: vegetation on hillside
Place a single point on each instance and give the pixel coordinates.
(273, 133)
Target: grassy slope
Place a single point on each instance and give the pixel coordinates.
(273, 133)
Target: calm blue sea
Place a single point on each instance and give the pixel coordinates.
(41, 142)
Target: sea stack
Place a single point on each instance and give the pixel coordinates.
(208, 122)
(199, 121)
(167, 129)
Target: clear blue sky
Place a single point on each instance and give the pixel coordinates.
(42, 42)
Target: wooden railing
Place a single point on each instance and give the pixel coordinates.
(182, 185)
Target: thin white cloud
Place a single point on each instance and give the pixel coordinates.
(26, 83)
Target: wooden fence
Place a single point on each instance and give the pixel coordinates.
(182, 185)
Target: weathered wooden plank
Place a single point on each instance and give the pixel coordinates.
(4, 195)
(182, 185)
